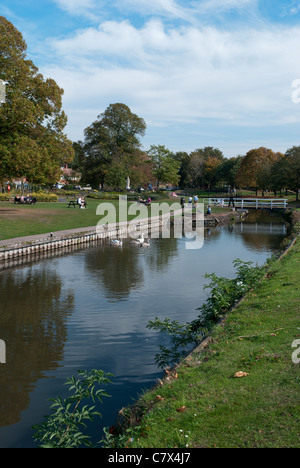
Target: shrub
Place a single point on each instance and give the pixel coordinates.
(45, 197)
(224, 293)
(62, 429)
(4, 197)
(40, 196)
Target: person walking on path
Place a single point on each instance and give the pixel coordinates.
(231, 199)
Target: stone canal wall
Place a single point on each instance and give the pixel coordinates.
(25, 247)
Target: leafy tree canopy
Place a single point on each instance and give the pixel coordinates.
(292, 169)
(112, 145)
(251, 166)
(165, 166)
(32, 143)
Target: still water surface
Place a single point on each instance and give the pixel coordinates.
(89, 308)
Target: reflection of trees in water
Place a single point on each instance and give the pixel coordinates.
(162, 252)
(33, 315)
(121, 270)
(212, 233)
(117, 268)
(261, 241)
(263, 216)
(263, 229)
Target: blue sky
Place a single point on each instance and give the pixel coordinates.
(201, 73)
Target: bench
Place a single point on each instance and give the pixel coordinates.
(75, 203)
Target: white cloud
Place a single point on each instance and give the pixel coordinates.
(226, 4)
(84, 8)
(186, 10)
(169, 8)
(179, 75)
(294, 10)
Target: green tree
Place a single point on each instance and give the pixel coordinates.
(204, 165)
(264, 177)
(196, 169)
(79, 156)
(184, 159)
(292, 168)
(111, 141)
(165, 167)
(32, 142)
(228, 170)
(279, 175)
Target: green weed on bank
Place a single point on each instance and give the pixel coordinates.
(242, 389)
(224, 293)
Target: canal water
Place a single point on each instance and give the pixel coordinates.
(89, 309)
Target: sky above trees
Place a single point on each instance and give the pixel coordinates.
(200, 73)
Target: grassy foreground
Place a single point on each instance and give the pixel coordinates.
(242, 389)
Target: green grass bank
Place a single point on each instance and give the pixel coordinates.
(241, 390)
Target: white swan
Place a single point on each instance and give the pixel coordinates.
(146, 243)
(139, 241)
(117, 242)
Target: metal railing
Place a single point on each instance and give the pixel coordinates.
(243, 203)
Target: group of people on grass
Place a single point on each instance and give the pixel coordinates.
(146, 202)
(193, 202)
(29, 200)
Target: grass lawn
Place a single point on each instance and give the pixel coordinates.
(26, 220)
(205, 405)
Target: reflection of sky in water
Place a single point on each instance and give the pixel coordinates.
(114, 295)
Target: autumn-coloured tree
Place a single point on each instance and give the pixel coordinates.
(142, 170)
(211, 165)
(32, 142)
(252, 165)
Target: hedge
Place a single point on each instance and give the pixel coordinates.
(45, 197)
(40, 196)
(4, 197)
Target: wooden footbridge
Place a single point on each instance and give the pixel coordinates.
(247, 203)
